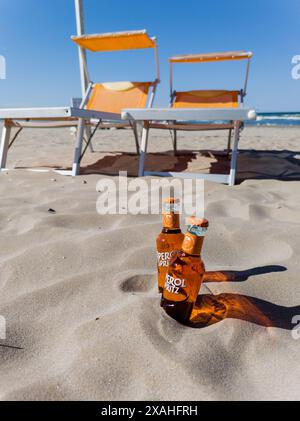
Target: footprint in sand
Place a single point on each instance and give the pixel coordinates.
(139, 284)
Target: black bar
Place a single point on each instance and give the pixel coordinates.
(136, 410)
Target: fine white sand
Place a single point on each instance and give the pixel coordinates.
(78, 290)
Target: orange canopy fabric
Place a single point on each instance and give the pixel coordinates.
(195, 58)
(116, 41)
(114, 97)
(206, 99)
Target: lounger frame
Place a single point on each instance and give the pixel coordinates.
(48, 118)
(149, 118)
(177, 119)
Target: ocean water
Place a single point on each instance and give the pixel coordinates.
(276, 119)
(271, 119)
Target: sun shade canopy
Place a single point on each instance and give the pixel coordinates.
(195, 58)
(116, 41)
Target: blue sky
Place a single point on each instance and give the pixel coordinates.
(42, 62)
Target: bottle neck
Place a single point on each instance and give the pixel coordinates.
(192, 244)
(171, 230)
(171, 221)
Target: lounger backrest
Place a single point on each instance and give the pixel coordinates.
(206, 99)
(114, 97)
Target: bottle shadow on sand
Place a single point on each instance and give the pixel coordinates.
(242, 275)
(211, 309)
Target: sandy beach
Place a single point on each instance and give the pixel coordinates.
(79, 294)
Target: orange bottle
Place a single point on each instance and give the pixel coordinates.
(169, 240)
(185, 273)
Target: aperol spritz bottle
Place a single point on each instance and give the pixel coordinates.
(169, 240)
(185, 273)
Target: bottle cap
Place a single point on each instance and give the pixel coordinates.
(171, 200)
(198, 226)
(171, 205)
(171, 210)
(198, 222)
(193, 240)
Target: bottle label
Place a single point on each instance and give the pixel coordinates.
(192, 244)
(163, 259)
(171, 220)
(198, 231)
(174, 285)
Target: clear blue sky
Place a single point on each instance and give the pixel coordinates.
(42, 62)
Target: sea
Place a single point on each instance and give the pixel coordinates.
(276, 119)
(282, 119)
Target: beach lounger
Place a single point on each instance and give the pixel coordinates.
(199, 110)
(101, 104)
(153, 117)
(113, 97)
(208, 98)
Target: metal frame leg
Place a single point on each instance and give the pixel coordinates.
(6, 131)
(89, 140)
(144, 147)
(175, 142)
(234, 155)
(229, 142)
(78, 148)
(136, 137)
(88, 135)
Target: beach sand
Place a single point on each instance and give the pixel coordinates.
(78, 290)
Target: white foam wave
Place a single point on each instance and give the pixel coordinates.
(279, 117)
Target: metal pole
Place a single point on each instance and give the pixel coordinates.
(157, 61)
(144, 147)
(81, 51)
(171, 83)
(234, 155)
(246, 79)
(84, 74)
(4, 144)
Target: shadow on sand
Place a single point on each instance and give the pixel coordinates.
(211, 309)
(113, 164)
(252, 164)
(242, 275)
